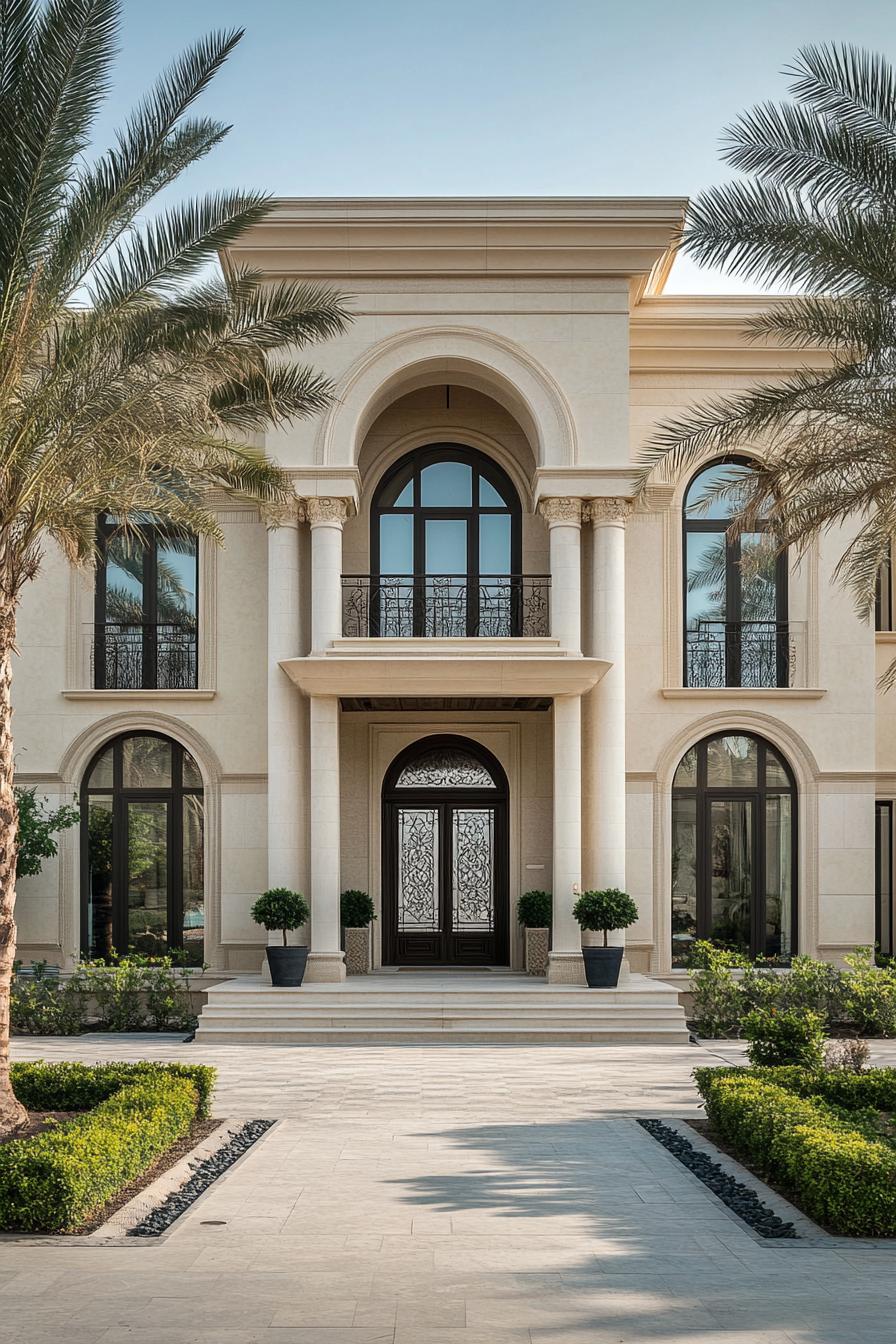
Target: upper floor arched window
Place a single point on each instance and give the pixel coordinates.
(145, 607)
(446, 547)
(735, 588)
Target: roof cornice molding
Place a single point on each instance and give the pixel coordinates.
(620, 237)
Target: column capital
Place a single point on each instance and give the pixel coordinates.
(608, 509)
(559, 511)
(331, 510)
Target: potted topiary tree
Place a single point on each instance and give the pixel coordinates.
(534, 910)
(357, 912)
(599, 912)
(283, 909)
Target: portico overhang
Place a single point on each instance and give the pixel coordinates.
(508, 675)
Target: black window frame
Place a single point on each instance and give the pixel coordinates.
(173, 795)
(150, 535)
(705, 794)
(733, 619)
(884, 932)
(409, 469)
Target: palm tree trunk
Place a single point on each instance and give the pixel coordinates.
(12, 1114)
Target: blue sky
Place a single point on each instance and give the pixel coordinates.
(485, 97)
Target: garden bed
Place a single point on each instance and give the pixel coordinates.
(821, 1139)
(129, 1119)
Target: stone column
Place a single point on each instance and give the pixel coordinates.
(326, 961)
(605, 761)
(326, 517)
(565, 965)
(284, 729)
(564, 519)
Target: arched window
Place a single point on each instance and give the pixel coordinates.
(734, 849)
(145, 616)
(142, 850)
(446, 547)
(735, 588)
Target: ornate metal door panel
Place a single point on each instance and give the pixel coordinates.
(445, 862)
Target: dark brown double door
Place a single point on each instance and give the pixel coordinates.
(445, 862)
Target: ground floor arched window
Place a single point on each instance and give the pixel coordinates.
(734, 849)
(142, 850)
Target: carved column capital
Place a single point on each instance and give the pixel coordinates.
(608, 509)
(561, 510)
(326, 509)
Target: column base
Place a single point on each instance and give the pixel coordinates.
(325, 968)
(566, 968)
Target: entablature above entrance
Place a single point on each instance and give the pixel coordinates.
(382, 670)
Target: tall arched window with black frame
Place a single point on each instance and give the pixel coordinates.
(736, 630)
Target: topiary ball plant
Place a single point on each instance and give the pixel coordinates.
(601, 911)
(356, 909)
(281, 909)
(534, 909)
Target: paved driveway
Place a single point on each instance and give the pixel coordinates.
(447, 1195)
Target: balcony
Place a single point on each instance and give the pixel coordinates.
(446, 606)
(142, 656)
(753, 655)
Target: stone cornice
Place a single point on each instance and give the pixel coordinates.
(619, 237)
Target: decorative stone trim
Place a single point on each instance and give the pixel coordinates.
(357, 950)
(566, 968)
(561, 511)
(326, 509)
(537, 951)
(607, 510)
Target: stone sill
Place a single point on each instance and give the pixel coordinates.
(160, 695)
(742, 693)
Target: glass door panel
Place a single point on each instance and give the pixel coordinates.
(193, 925)
(731, 846)
(445, 587)
(392, 600)
(684, 878)
(147, 876)
(418, 870)
(473, 869)
(100, 939)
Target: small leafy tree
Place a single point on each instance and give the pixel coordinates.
(534, 909)
(281, 909)
(356, 909)
(601, 911)
(39, 824)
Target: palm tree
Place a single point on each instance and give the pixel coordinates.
(131, 377)
(815, 213)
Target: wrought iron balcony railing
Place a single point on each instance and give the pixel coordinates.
(135, 657)
(751, 654)
(443, 606)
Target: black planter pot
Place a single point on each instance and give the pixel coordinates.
(602, 965)
(287, 965)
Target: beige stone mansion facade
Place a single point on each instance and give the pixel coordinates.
(470, 664)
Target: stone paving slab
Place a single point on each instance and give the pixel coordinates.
(448, 1195)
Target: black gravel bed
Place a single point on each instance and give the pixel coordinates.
(205, 1173)
(739, 1197)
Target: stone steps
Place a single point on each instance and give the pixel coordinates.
(381, 1009)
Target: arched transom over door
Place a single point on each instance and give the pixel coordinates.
(445, 856)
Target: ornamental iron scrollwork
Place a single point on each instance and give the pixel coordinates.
(446, 606)
(445, 768)
(473, 894)
(418, 869)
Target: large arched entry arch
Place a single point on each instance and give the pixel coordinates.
(445, 856)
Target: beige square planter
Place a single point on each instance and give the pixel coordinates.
(537, 941)
(357, 951)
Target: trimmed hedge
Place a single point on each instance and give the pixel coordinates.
(836, 1169)
(80, 1087)
(56, 1180)
(852, 1091)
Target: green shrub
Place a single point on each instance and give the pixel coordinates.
(602, 911)
(281, 909)
(356, 909)
(874, 1089)
(42, 1086)
(838, 1172)
(137, 993)
(57, 1179)
(535, 909)
(718, 997)
(870, 995)
(784, 1037)
(45, 1005)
